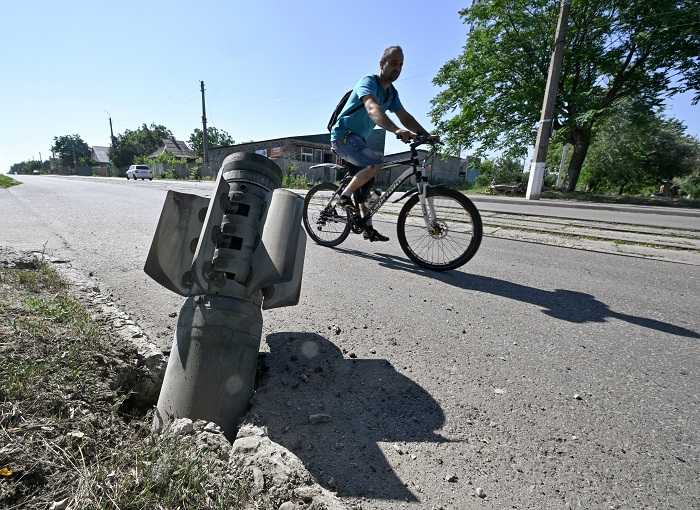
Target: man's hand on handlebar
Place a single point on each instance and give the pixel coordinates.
(405, 135)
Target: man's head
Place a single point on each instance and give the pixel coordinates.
(391, 63)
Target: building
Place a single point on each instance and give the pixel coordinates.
(449, 170)
(176, 148)
(294, 154)
(180, 151)
(305, 155)
(100, 156)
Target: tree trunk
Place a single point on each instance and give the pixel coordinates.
(581, 142)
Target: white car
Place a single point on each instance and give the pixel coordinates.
(139, 172)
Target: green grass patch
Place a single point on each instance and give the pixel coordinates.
(295, 181)
(67, 429)
(6, 181)
(620, 199)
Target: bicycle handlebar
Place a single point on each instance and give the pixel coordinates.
(422, 139)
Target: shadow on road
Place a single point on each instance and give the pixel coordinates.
(367, 400)
(561, 304)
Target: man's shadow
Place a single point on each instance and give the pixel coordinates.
(567, 305)
(367, 400)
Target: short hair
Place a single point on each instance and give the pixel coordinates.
(389, 51)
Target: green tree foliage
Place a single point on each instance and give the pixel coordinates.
(27, 167)
(503, 170)
(216, 137)
(615, 49)
(637, 149)
(64, 147)
(141, 142)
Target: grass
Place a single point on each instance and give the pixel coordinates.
(621, 199)
(67, 431)
(6, 181)
(295, 181)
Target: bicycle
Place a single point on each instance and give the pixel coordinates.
(426, 226)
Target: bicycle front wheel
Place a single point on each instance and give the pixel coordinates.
(325, 222)
(449, 239)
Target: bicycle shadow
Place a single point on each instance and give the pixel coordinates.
(562, 304)
(367, 400)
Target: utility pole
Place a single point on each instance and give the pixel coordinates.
(544, 131)
(111, 138)
(75, 160)
(205, 138)
(111, 132)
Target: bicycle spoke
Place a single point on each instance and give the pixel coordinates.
(449, 235)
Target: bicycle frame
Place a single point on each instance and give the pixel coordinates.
(421, 184)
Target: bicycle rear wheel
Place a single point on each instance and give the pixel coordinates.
(325, 222)
(452, 238)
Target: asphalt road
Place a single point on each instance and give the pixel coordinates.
(548, 377)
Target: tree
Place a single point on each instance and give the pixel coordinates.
(636, 149)
(215, 137)
(71, 150)
(140, 142)
(616, 49)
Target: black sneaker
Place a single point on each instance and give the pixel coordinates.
(346, 203)
(372, 235)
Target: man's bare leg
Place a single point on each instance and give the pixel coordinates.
(361, 178)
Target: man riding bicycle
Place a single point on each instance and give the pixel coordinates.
(364, 109)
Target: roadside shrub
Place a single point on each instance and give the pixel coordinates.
(295, 181)
(690, 186)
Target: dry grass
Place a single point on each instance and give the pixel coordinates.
(66, 429)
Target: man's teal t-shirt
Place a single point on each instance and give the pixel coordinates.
(359, 122)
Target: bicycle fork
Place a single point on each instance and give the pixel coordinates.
(426, 204)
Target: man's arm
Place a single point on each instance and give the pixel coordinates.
(378, 116)
(411, 123)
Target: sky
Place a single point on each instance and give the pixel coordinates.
(271, 68)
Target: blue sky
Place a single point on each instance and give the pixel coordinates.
(271, 68)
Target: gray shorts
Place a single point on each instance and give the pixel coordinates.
(353, 149)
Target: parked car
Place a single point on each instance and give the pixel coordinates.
(139, 172)
(35, 172)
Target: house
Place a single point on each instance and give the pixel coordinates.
(100, 155)
(176, 148)
(180, 150)
(294, 154)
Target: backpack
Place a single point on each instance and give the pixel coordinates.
(344, 99)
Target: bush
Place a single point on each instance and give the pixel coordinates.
(690, 186)
(194, 173)
(295, 181)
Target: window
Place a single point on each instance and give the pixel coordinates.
(318, 156)
(307, 154)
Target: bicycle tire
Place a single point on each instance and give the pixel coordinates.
(463, 255)
(337, 216)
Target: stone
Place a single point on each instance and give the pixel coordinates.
(59, 505)
(451, 478)
(577, 396)
(212, 428)
(306, 493)
(245, 445)
(181, 427)
(258, 480)
(319, 418)
(287, 505)
(480, 492)
(499, 391)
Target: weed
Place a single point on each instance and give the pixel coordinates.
(6, 181)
